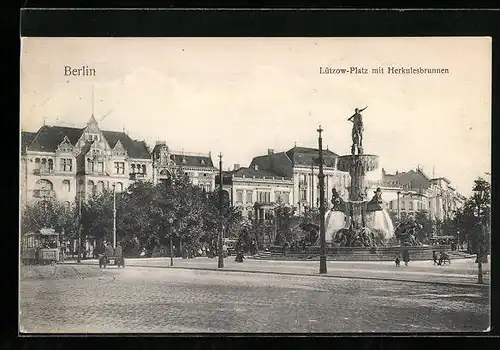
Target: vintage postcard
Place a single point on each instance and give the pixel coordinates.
(255, 185)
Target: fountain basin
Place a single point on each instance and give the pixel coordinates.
(368, 162)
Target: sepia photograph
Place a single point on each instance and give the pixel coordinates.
(255, 185)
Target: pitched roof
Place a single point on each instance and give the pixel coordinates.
(309, 156)
(192, 160)
(48, 138)
(185, 159)
(411, 179)
(26, 138)
(135, 149)
(278, 163)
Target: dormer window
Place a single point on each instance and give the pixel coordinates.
(202, 162)
(184, 161)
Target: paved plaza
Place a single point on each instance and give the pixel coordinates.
(82, 298)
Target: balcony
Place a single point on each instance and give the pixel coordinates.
(44, 194)
(40, 172)
(137, 176)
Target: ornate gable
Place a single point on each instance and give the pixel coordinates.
(119, 150)
(65, 146)
(165, 159)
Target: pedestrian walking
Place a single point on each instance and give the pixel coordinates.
(285, 248)
(406, 257)
(397, 260)
(435, 258)
(118, 251)
(254, 247)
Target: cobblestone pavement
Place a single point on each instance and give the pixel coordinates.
(84, 299)
(462, 271)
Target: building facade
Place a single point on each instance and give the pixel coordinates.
(68, 163)
(413, 191)
(256, 192)
(197, 166)
(301, 164)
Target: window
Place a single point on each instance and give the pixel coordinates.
(249, 196)
(403, 205)
(90, 165)
(37, 163)
(119, 168)
(100, 167)
(100, 187)
(119, 187)
(66, 164)
(90, 188)
(208, 188)
(91, 137)
(66, 186)
(390, 205)
(410, 205)
(51, 165)
(285, 197)
(303, 195)
(239, 196)
(144, 168)
(133, 168)
(303, 179)
(277, 196)
(264, 197)
(43, 165)
(44, 185)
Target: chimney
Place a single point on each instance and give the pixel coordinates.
(270, 152)
(256, 167)
(236, 166)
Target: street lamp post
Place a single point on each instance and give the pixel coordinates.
(171, 221)
(221, 254)
(114, 216)
(79, 256)
(399, 208)
(321, 176)
(479, 195)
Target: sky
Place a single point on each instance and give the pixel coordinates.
(243, 96)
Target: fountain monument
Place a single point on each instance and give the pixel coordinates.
(358, 221)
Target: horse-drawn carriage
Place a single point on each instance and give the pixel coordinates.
(40, 248)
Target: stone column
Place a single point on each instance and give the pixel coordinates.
(356, 189)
